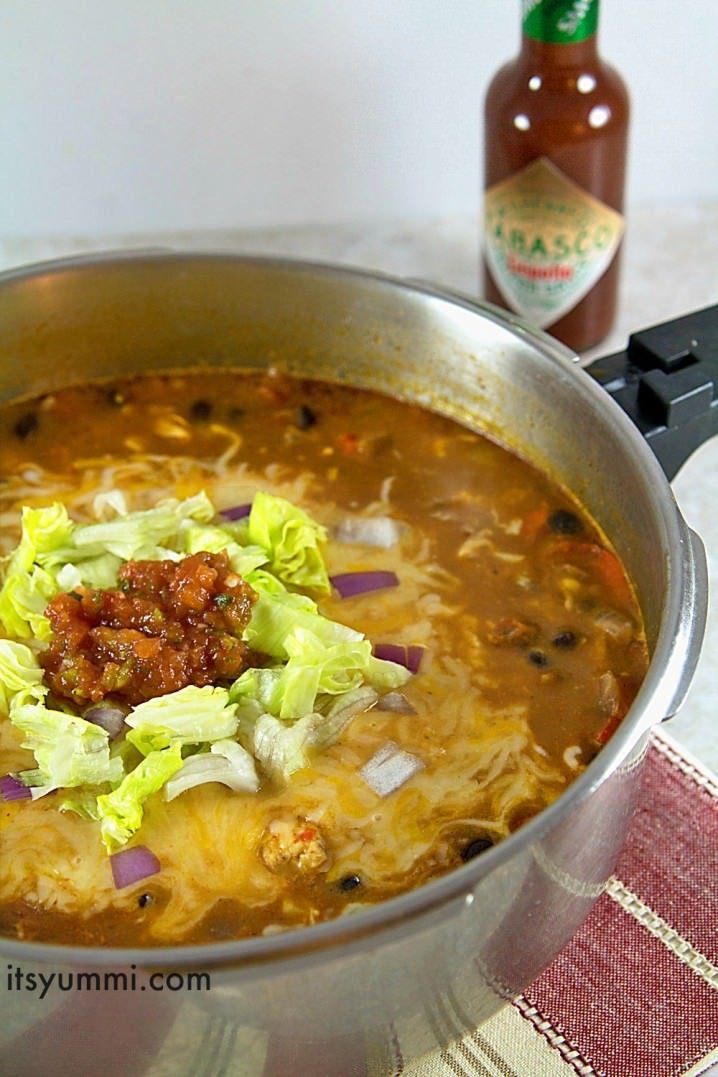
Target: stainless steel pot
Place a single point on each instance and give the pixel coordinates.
(361, 994)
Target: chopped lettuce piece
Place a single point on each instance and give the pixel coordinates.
(99, 571)
(82, 802)
(226, 762)
(258, 686)
(68, 750)
(43, 530)
(336, 713)
(276, 615)
(291, 538)
(189, 716)
(121, 811)
(282, 749)
(341, 666)
(315, 668)
(23, 600)
(215, 539)
(263, 582)
(20, 672)
(135, 534)
(28, 586)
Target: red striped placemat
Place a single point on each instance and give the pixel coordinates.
(635, 993)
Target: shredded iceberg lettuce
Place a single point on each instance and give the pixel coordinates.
(27, 585)
(189, 716)
(213, 538)
(68, 750)
(121, 811)
(315, 668)
(292, 539)
(278, 613)
(82, 802)
(283, 748)
(20, 672)
(226, 762)
(130, 535)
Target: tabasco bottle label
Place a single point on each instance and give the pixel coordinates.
(547, 242)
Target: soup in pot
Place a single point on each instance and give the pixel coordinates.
(274, 650)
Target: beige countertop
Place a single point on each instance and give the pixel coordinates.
(670, 267)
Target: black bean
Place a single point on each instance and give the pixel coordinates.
(200, 411)
(349, 882)
(538, 658)
(144, 900)
(304, 417)
(565, 640)
(565, 522)
(116, 398)
(236, 414)
(475, 847)
(27, 425)
(589, 753)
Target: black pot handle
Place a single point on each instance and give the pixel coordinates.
(667, 382)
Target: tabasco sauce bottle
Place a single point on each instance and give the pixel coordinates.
(556, 124)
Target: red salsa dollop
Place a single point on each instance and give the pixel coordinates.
(166, 625)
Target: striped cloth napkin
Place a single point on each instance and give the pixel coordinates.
(635, 993)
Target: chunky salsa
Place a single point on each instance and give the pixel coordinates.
(166, 625)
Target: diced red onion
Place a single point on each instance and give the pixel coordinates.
(396, 703)
(414, 656)
(609, 693)
(404, 656)
(391, 652)
(236, 512)
(131, 865)
(108, 717)
(389, 768)
(338, 716)
(349, 584)
(13, 789)
(382, 531)
(615, 624)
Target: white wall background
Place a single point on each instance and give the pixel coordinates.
(132, 116)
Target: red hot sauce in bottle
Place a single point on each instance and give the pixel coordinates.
(556, 126)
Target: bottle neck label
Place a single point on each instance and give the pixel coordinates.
(559, 22)
(547, 242)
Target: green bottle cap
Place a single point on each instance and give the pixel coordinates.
(559, 22)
